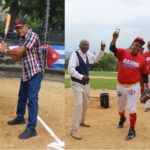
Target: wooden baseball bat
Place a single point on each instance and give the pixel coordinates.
(8, 19)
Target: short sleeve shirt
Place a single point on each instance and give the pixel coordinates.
(130, 67)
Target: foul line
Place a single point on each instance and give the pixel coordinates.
(58, 144)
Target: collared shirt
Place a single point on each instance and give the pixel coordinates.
(32, 59)
(74, 62)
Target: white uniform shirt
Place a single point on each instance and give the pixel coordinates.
(74, 62)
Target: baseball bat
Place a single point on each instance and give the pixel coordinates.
(8, 19)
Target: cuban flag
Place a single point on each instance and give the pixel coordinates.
(55, 56)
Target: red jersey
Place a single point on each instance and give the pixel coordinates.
(141, 81)
(130, 67)
(147, 57)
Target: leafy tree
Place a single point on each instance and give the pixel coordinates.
(12, 7)
(107, 63)
(57, 13)
(34, 11)
(1, 24)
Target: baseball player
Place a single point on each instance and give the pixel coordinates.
(130, 66)
(147, 57)
(141, 51)
(79, 71)
(31, 58)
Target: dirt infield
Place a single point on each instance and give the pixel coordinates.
(56, 112)
(51, 110)
(103, 133)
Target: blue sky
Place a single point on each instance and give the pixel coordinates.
(95, 20)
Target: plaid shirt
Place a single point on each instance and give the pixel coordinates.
(32, 59)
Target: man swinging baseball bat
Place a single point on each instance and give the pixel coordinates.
(31, 57)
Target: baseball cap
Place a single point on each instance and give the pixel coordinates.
(19, 22)
(139, 40)
(148, 43)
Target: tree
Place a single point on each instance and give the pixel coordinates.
(12, 7)
(107, 63)
(34, 11)
(57, 14)
(1, 24)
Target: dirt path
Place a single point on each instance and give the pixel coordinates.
(103, 133)
(51, 110)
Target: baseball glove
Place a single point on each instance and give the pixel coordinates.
(145, 96)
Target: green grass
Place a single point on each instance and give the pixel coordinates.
(107, 74)
(67, 83)
(98, 83)
(99, 73)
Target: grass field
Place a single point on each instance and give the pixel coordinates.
(99, 83)
(100, 73)
(107, 74)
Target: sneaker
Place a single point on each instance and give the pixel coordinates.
(16, 121)
(28, 133)
(121, 122)
(131, 134)
(147, 109)
(75, 135)
(85, 125)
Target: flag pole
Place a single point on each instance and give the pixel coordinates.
(46, 29)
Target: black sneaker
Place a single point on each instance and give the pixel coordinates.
(28, 133)
(131, 134)
(16, 121)
(121, 122)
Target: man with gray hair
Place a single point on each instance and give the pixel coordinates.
(79, 71)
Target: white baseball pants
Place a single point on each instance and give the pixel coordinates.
(127, 97)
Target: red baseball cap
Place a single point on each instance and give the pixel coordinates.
(139, 40)
(148, 43)
(20, 22)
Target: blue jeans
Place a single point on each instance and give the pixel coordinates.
(29, 91)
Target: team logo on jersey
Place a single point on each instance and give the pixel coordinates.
(130, 63)
(148, 59)
(132, 92)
